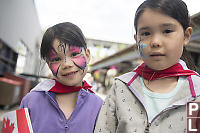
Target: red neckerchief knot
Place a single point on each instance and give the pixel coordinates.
(60, 88)
(173, 71)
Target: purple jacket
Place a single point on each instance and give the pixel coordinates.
(47, 117)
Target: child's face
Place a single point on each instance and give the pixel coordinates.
(160, 39)
(68, 63)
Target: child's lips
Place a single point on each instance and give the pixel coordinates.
(156, 54)
(70, 73)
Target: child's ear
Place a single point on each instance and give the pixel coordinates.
(187, 36)
(135, 37)
(47, 62)
(87, 52)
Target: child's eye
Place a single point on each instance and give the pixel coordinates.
(74, 54)
(167, 31)
(55, 59)
(145, 34)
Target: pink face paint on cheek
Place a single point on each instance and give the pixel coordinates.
(52, 54)
(80, 61)
(75, 49)
(54, 68)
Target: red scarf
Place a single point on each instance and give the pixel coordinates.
(176, 70)
(60, 88)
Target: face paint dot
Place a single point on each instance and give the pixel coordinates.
(143, 55)
(141, 47)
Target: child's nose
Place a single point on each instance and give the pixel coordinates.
(155, 41)
(67, 63)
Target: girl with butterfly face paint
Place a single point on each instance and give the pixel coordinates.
(68, 63)
(65, 103)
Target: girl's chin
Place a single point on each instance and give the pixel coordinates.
(158, 68)
(70, 83)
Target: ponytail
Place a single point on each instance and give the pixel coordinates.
(186, 56)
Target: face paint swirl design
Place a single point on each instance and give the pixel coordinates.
(54, 68)
(78, 59)
(54, 64)
(75, 49)
(142, 46)
(62, 47)
(52, 54)
(80, 62)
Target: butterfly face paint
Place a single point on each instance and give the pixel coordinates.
(54, 68)
(62, 47)
(75, 49)
(141, 47)
(54, 62)
(74, 53)
(78, 59)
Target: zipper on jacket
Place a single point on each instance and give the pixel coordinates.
(166, 109)
(57, 107)
(172, 107)
(141, 102)
(147, 128)
(67, 121)
(149, 123)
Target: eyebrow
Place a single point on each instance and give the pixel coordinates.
(168, 25)
(162, 25)
(143, 28)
